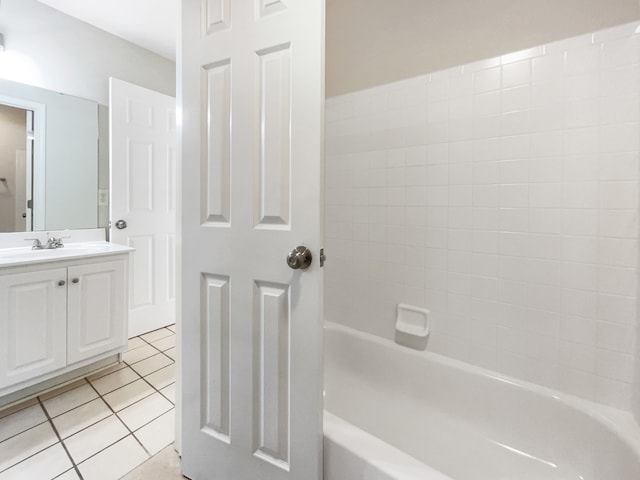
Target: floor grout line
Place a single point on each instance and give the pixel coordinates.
(125, 426)
(87, 381)
(55, 430)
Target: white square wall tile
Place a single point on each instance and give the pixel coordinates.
(113, 462)
(530, 212)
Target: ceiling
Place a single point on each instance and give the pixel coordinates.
(151, 24)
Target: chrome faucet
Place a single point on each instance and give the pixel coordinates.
(52, 242)
(37, 244)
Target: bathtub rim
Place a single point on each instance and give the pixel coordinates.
(620, 423)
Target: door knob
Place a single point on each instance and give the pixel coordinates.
(61, 283)
(75, 280)
(299, 258)
(121, 224)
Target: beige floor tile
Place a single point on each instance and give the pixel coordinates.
(129, 394)
(115, 461)
(107, 371)
(16, 407)
(114, 380)
(54, 392)
(165, 465)
(135, 342)
(133, 356)
(45, 465)
(69, 400)
(151, 364)
(172, 328)
(165, 343)
(171, 353)
(25, 444)
(144, 411)
(81, 417)
(69, 475)
(97, 437)
(163, 377)
(21, 420)
(170, 393)
(156, 335)
(159, 433)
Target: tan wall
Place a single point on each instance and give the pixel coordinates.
(373, 42)
(13, 127)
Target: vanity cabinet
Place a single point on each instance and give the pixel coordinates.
(59, 316)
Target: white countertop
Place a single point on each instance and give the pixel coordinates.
(12, 257)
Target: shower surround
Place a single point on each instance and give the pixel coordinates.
(502, 195)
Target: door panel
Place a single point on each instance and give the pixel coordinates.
(252, 100)
(143, 182)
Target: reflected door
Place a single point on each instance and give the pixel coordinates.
(16, 148)
(143, 199)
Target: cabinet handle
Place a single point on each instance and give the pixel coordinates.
(61, 283)
(75, 280)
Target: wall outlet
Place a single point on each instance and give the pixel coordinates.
(103, 197)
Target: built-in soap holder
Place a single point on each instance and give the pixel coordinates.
(412, 326)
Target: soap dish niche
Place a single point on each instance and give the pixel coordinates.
(412, 326)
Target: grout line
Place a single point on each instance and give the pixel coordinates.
(125, 426)
(100, 396)
(55, 430)
(161, 351)
(27, 429)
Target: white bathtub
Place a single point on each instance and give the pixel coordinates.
(395, 413)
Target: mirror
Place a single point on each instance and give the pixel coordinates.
(49, 159)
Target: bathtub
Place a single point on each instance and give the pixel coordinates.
(395, 413)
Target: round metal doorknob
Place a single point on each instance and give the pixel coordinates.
(299, 258)
(75, 280)
(61, 283)
(121, 224)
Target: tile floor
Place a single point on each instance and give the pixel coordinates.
(100, 427)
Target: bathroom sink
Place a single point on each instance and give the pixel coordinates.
(25, 255)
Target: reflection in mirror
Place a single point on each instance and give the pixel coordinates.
(49, 159)
(15, 169)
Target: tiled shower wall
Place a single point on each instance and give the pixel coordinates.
(503, 196)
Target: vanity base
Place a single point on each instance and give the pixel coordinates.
(26, 390)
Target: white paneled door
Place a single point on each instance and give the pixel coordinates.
(252, 97)
(142, 128)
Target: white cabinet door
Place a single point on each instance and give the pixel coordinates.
(97, 313)
(33, 315)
